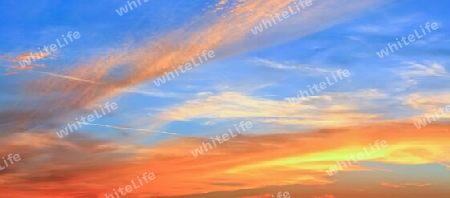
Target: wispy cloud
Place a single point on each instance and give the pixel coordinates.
(427, 100)
(387, 184)
(266, 195)
(230, 29)
(257, 156)
(127, 90)
(5, 56)
(151, 93)
(26, 61)
(414, 72)
(325, 196)
(329, 109)
(134, 129)
(301, 68)
(420, 70)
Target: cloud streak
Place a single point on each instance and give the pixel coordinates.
(222, 34)
(96, 166)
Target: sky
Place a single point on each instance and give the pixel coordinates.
(111, 68)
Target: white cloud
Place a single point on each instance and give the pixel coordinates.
(330, 109)
(302, 68)
(150, 93)
(413, 72)
(419, 70)
(209, 122)
(427, 100)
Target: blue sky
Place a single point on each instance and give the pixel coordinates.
(252, 77)
(349, 45)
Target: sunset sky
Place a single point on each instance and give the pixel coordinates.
(101, 57)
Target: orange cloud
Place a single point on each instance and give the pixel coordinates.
(25, 67)
(30, 56)
(325, 196)
(96, 167)
(7, 55)
(26, 61)
(222, 33)
(267, 195)
(387, 184)
(245, 162)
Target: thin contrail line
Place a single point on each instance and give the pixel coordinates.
(68, 77)
(125, 128)
(133, 90)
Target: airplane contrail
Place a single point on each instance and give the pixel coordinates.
(135, 129)
(68, 77)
